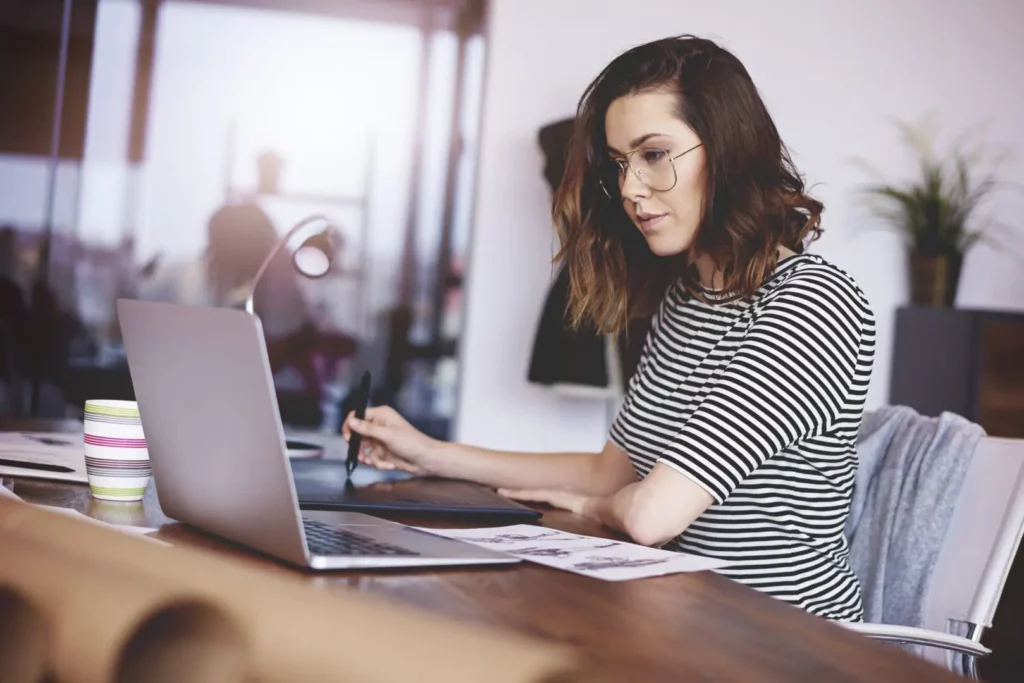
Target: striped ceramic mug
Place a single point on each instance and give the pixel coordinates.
(116, 458)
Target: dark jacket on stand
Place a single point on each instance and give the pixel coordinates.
(579, 362)
(582, 362)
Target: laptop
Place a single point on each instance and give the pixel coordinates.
(206, 396)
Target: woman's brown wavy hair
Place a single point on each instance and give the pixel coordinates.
(754, 199)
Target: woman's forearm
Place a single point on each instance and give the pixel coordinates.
(613, 511)
(651, 511)
(592, 474)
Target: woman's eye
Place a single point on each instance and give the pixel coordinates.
(653, 156)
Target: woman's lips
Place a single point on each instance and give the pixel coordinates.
(649, 222)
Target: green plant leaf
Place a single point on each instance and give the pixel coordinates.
(937, 212)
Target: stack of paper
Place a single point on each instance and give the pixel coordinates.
(43, 455)
(600, 558)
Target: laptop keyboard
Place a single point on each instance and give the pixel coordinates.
(323, 539)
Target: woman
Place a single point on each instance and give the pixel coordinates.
(737, 435)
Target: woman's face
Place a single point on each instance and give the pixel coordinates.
(660, 146)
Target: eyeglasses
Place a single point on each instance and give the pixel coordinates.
(655, 167)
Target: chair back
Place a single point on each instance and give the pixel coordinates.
(984, 533)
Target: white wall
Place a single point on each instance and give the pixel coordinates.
(832, 74)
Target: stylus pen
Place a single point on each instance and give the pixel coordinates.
(34, 465)
(362, 399)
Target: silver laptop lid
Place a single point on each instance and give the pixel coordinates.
(206, 396)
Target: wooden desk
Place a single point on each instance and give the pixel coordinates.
(684, 627)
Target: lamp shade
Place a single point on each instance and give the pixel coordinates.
(314, 256)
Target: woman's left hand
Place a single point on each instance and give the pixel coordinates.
(566, 500)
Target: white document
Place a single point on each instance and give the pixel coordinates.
(600, 558)
(63, 455)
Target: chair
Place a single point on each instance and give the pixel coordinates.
(974, 561)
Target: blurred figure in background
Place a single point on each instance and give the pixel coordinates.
(240, 237)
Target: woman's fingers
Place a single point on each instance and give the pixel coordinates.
(372, 451)
(375, 449)
(346, 432)
(375, 454)
(382, 415)
(532, 495)
(566, 500)
(366, 428)
(377, 417)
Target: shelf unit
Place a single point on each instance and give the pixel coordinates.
(970, 362)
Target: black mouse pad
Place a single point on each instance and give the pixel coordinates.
(322, 485)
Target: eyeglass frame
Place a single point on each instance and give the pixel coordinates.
(629, 165)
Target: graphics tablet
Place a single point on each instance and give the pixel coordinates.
(322, 485)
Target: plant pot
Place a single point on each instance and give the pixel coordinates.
(934, 280)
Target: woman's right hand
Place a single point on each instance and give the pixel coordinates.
(389, 442)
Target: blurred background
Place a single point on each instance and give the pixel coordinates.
(157, 149)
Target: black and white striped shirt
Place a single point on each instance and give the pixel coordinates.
(759, 402)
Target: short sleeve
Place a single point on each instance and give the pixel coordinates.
(790, 379)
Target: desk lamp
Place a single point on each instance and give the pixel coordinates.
(313, 257)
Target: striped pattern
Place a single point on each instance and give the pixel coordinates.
(93, 409)
(759, 402)
(117, 492)
(114, 419)
(114, 442)
(105, 467)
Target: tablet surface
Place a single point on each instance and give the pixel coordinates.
(322, 485)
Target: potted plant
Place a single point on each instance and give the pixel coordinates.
(936, 212)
